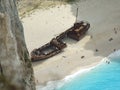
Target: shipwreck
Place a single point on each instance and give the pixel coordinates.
(56, 45)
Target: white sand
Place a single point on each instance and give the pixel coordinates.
(43, 25)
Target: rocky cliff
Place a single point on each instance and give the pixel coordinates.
(16, 71)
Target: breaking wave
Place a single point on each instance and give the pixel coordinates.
(54, 85)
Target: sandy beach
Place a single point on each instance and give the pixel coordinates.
(102, 39)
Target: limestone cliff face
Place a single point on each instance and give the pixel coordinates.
(15, 65)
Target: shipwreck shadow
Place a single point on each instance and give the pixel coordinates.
(102, 31)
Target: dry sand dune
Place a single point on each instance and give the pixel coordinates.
(43, 25)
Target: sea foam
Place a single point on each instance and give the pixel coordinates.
(53, 85)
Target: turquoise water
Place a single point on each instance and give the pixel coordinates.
(103, 77)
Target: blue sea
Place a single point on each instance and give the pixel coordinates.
(105, 76)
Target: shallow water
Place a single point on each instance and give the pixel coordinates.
(103, 77)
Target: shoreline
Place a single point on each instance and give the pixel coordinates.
(81, 70)
(94, 65)
(43, 25)
(59, 83)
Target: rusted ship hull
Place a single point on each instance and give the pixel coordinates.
(56, 45)
(35, 56)
(48, 50)
(77, 33)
